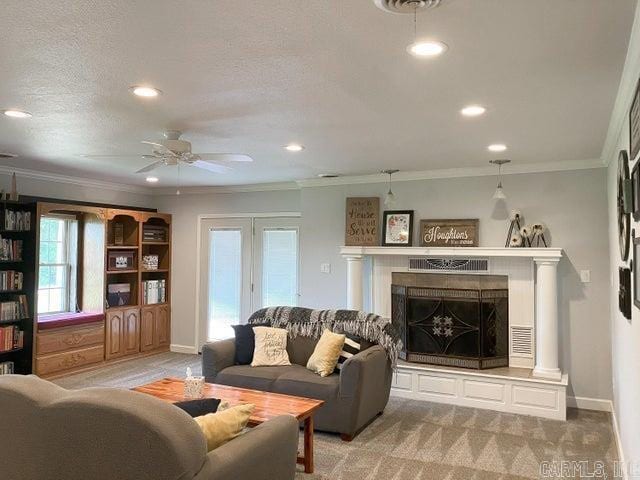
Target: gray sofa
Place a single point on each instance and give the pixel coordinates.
(105, 434)
(353, 398)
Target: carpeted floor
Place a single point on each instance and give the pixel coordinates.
(420, 440)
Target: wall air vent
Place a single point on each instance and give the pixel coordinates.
(449, 264)
(522, 341)
(406, 6)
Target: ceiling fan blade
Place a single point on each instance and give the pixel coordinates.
(226, 157)
(133, 155)
(211, 167)
(153, 143)
(151, 166)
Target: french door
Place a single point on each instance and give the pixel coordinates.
(246, 264)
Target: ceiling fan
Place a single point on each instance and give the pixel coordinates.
(171, 150)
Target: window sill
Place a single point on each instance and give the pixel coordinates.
(57, 320)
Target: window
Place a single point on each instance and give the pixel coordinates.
(57, 270)
(279, 267)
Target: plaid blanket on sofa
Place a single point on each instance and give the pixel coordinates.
(311, 323)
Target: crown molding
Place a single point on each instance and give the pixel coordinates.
(258, 187)
(626, 90)
(408, 176)
(72, 180)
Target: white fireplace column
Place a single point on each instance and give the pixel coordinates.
(546, 291)
(354, 282)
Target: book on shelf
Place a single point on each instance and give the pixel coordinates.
(10, 280)
(14, 309)
(154, 233)
(10, 249)
(154, 291)
(18, 221)
(7, 368)
(11, 338)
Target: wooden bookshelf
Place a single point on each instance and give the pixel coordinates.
(135, 325)
(26, 264)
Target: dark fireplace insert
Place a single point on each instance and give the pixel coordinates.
(457, 320)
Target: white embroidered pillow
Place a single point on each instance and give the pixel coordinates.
(270, 347)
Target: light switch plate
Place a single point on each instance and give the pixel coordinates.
(325, 268)
(585, 276)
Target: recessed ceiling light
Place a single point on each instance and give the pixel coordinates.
(142, 91)
(152, 179)
(428, 48)
(17, 113)
(294, 147)
(7, 155)
(328, 175)
(473, 110)
(497, 147)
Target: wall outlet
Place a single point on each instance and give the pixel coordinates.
(585, 276)
(325, 268)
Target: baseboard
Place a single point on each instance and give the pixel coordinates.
(586, 403)
(616, 432)
(184, 349)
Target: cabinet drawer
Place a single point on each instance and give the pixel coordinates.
(69, 338)
(64, 361)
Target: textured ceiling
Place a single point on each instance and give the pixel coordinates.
(250, 76)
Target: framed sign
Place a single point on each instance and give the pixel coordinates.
(362, 218)
(449, 233)
(634, 124)
(121, 260)
(397, 228)
(636, 272)
(624, 292)
(635, 191)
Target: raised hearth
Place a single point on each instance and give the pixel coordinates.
(533, 324)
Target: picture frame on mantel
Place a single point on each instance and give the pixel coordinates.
(362, 218)
(397, 228)
(449, 233)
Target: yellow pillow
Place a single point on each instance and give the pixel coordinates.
(220, 427)
(325, 356)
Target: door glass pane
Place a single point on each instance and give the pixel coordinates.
(225, 282)
(279, 267)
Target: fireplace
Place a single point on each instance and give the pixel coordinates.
(458, 320)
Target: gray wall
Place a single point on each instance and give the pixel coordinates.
(625, 334)
(572, 204)
(71, 191)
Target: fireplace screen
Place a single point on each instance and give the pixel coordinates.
(453, 320)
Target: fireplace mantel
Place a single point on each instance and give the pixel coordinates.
(484, 252)
(533, 271)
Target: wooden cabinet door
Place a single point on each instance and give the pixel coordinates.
(147, 328)
(113, 341)
(163, 326)
(131, 331)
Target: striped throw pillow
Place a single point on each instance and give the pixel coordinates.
(352, 345)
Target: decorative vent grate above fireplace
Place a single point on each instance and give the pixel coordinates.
(449, 264)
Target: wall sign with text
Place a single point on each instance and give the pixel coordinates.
(362, 226)
(449, 233)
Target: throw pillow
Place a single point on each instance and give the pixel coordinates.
(271, 347)
(325, 356)
(352, 346)
(218, 428)
(245, 343)
(199, 407)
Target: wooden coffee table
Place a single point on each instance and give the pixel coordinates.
(268, 406)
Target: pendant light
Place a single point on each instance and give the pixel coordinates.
(499, 193)
(390, 198)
